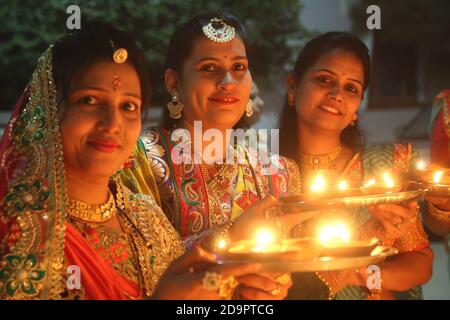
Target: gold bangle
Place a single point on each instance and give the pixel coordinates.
(227, 287)
(438, 214)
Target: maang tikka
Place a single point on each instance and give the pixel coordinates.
(218, 31)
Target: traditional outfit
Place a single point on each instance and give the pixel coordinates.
(439, 131)
(42, 244)
(199, 199)
(372, 162)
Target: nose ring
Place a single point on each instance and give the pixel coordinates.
(228, 79)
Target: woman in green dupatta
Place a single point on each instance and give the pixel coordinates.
(320, 117)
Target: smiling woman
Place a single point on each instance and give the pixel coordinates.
(62, 206)
(208, 79)
(320, 118)
(97, 112)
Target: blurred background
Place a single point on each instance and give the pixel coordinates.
(410, 57)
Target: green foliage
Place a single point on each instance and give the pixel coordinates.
(29, 26)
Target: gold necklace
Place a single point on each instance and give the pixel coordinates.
(83, 212)
(323, 161)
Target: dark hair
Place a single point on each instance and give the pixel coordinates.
(309, 55)
(183, 41)
(74, 53)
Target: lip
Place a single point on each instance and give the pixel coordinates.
(106, 146)
(225, 100)
(330, 109)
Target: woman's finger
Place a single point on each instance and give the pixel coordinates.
(196, 255)
(391, 230)
(258, 282)
(236, 270)
(263, 205)
(250, 293)
(385, 216)
(290, 220)
(395, 209)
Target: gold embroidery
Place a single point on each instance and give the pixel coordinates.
(114, 247)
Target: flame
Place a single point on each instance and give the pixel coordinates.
(342, 185)
(263, 240)
(420, 165)
(369, 183)
(264, 237)
(437, 176)
(334, 234)
(318, 184)
(388, 180)
(221, 244)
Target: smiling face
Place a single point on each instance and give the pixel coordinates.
(214, 83)
(102, 120)
(329, 94)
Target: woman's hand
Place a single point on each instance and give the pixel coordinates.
(394, 219)
(185, 278)
(254, 218)
(267, 213)
(263, 286)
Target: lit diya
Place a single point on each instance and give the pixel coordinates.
(389, 185)
(264, 247)
(437, 179)
(336, 242)
(333, 241)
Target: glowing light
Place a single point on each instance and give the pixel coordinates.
(221, 244)
(342, 185)
(263, 240)
(334, 235)
(420, 165)
(369, 183)
(388, 180)
(437, 176)
(318, 184)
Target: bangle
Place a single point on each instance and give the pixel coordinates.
(438, 214)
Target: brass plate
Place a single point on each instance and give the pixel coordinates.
(414, 191)
(378, 255)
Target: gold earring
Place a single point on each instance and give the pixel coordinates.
(175, 106)
(355, 118)
(290, 99)
(249, 108)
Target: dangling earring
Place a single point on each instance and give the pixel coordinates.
(355, 118)
(175, 106)
(249, 108)
(290, 99)
(131, 162)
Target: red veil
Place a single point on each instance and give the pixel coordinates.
(36, 243)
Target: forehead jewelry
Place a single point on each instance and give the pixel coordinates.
(120, 55)
(217, 30)
(116, 83)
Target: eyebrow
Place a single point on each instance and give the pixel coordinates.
(334, 73)
(105, 91)
(217, 59)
